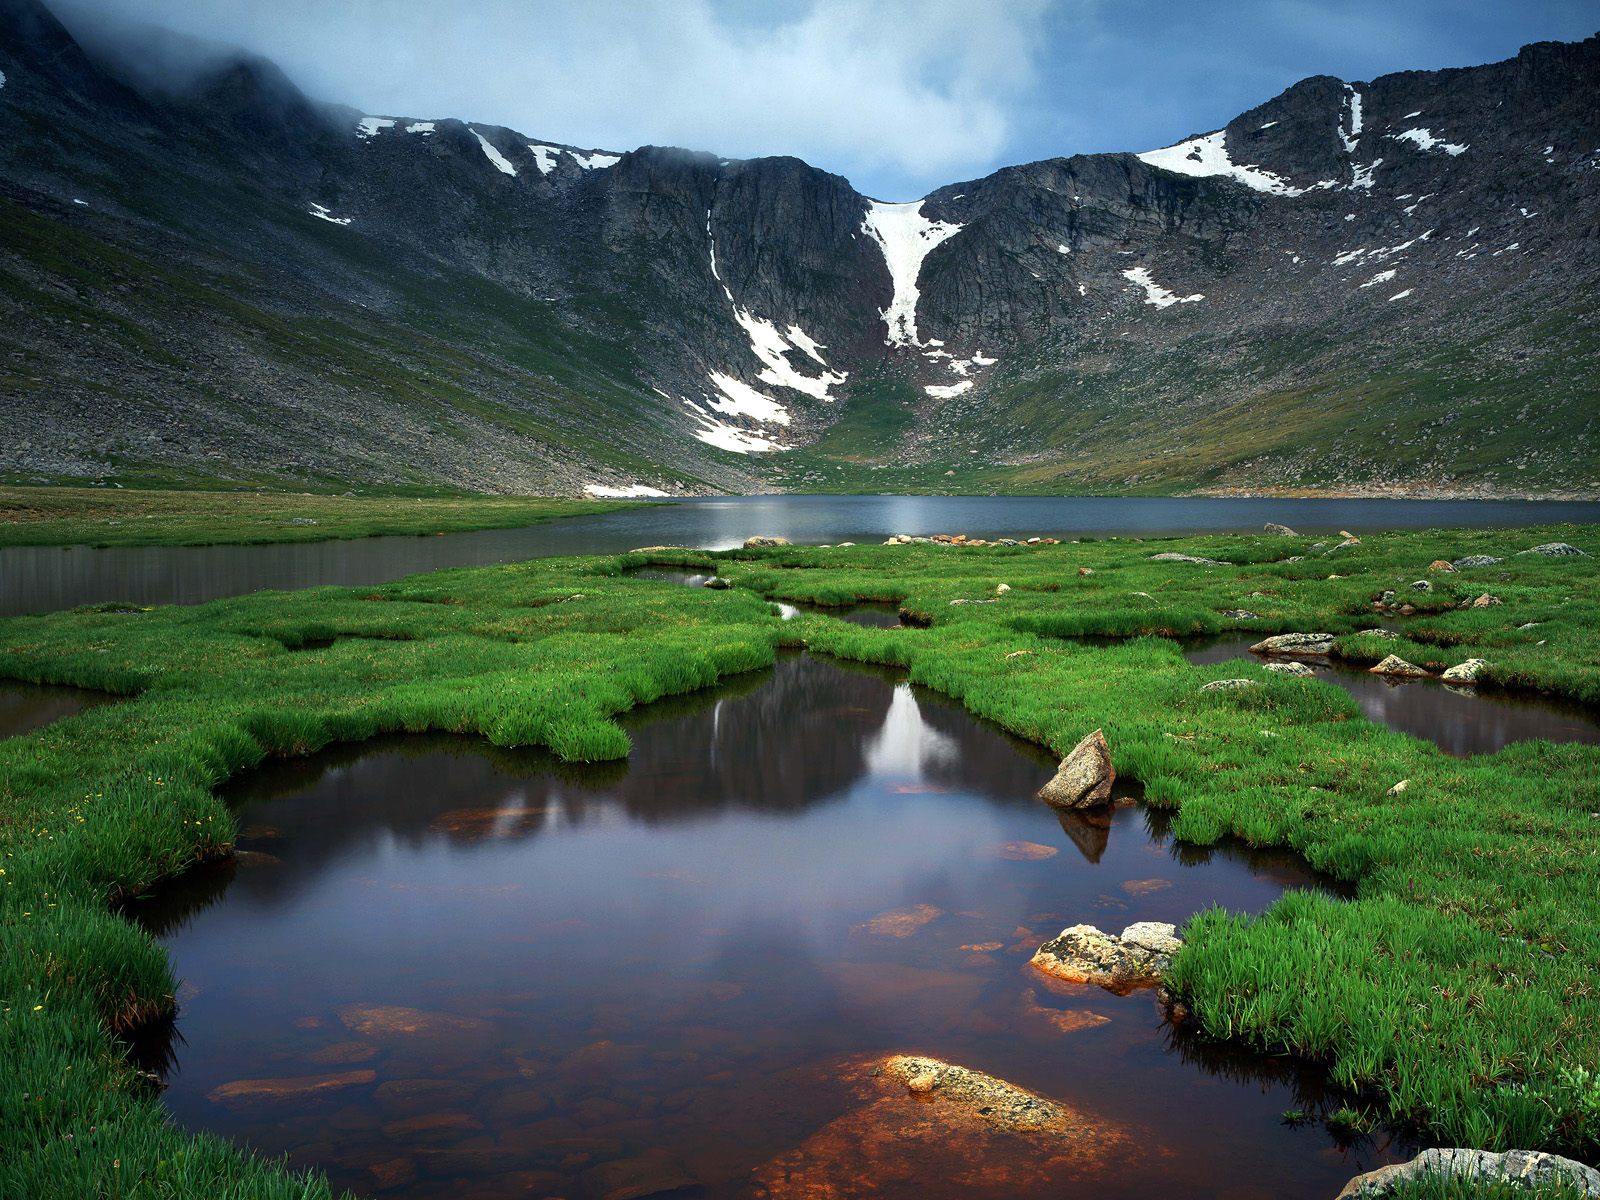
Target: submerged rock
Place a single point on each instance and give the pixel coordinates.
(1555, 550)
(757, 542)
(1465, 672)
(1085, 776)
(1525, 1169)
(298, 1088)
(902, 922)
(1025, 851)
(1138, 957)
(1315, 645)
(393, 1020)
(918, 1120)
(1397, 666)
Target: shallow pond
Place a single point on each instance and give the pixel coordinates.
(1459, 720)
(521, 978)
(41, 579)
(25, 707)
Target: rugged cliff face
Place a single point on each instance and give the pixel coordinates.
(1388, 283)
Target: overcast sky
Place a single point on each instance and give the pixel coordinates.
(899, 95)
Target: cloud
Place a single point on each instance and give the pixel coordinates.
(903, 93)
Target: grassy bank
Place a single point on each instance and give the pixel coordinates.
(1455, 990)
(61, 516)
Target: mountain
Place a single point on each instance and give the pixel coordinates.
(1387, 285)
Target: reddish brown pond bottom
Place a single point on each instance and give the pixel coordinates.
(445, 970)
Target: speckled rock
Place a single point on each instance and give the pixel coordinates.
(1465, 672)
(1298, 670)
(1085, 776)
(1138, 957)
(1317, 645)
(1554, 550)
(1229, 685)
(1397, 666)
(1527, 1169)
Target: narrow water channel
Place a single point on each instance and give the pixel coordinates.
(447, 970)
(1459, 720)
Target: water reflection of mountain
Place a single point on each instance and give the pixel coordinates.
(776, 742)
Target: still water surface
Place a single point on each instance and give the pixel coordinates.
(664, 974)
(1459, 720)
(43, 579)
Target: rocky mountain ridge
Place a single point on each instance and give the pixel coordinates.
(1356, 284)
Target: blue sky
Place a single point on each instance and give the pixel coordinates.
(898, 95)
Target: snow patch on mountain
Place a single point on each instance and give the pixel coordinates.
(738, 399)
(422, 127)
(1350, 122)
(1423, 139)
(370, 127)
(500, 161)
(944, 391)
(1207, 157)
(1380, 277)
(596, 159)
(634, 491)
(323, 213)
(544, 157)
(724, 436)
(906, 238)
(800, 338)
(771, 347)
(1154, 293)
(2, 79)
(1379, 253)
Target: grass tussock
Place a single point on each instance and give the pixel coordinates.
(1456, 988)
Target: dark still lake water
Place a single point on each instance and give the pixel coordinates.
(1459, 720)
(43, 579)
(446, 970)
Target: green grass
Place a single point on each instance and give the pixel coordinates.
(1454, 992)
(59, 516)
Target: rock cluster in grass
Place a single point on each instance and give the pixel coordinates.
(1173, 556)
(1138, 957)
(1528, 1170)
(961, 539)
(1085, 777)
